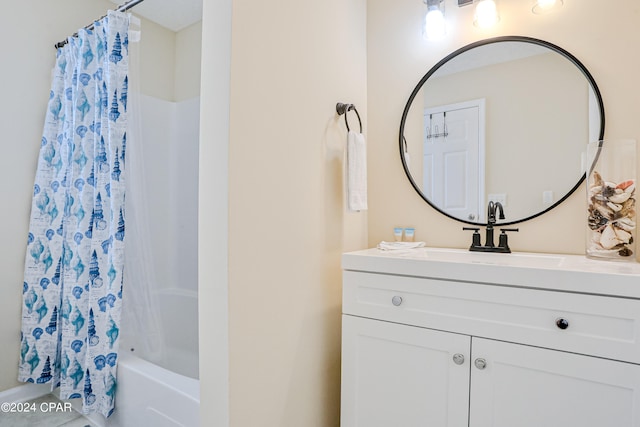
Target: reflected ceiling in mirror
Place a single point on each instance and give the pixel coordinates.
(505, 119)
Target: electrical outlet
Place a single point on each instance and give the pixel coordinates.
(547, 197)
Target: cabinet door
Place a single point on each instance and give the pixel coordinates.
(404, 376)
(533, 387)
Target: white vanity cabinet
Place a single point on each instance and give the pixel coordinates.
(398, 375)
(446, 338)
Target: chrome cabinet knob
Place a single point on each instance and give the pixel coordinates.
(480, 363)
(397, 300)
(562, 323)
(458, 358)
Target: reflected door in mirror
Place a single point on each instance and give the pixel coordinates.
(453, 167)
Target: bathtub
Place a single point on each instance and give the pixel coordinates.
(165, 393)
(150, 395)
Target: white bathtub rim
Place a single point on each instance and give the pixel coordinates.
(147, 369)
(188, 387)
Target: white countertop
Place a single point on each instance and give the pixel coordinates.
(556, 272)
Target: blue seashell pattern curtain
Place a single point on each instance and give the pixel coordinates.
(73, 276)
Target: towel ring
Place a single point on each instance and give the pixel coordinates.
(344, 109)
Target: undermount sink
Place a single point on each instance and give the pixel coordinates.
(530, 260)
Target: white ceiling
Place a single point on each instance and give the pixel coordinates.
(172, 14)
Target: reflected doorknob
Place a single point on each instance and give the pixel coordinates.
(471, 216)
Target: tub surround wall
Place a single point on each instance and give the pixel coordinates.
(170, 66)
(180, 314)
(398, 57)
(170, 144)
(187, 66)
(157, 60)
(170, 61)
(183, 169)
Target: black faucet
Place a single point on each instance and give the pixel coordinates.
(491, 220)
(489, 245)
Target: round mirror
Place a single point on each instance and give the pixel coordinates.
(504, 120)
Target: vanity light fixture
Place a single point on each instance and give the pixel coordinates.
(486, 14)
(434, 22)
(546, 6)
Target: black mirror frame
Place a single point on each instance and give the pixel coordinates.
(463, 49)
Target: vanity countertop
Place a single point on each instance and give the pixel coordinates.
(555, 272)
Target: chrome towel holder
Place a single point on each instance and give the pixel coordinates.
(344, 109)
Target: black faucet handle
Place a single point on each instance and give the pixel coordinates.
(503, 241)
(509, 229)
(475, 242)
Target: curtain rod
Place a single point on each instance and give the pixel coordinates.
(122, 8)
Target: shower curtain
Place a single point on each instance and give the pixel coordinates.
(72, 289)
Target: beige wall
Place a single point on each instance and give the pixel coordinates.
(398, 57)
(291, 62)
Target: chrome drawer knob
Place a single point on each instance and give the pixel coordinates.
(480, 363)
(458, 358)
(562, 323)
(397, 300)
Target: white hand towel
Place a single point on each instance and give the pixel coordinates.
(391, 246)
(356, 172)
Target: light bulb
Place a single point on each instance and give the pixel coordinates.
(486, 14)
(434, 24)
(546, 6)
